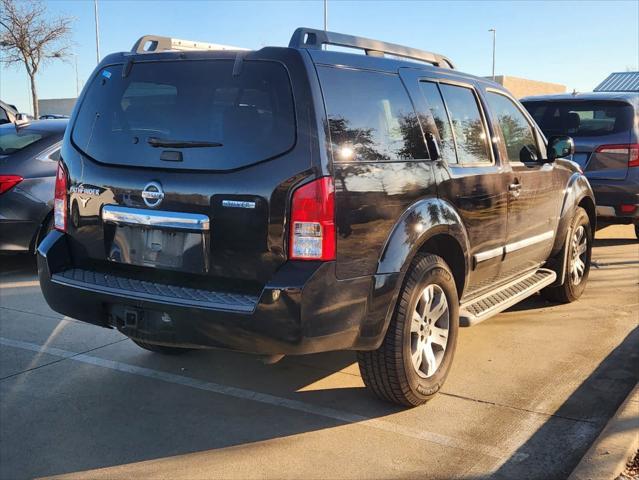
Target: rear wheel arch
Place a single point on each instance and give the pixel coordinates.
(425, 220)
(447, 239)
(588, 205)
(448, 248)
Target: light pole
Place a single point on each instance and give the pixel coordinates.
(494, 30)
(97, 31)
(325, 15)
(325, 19)
(77, 78)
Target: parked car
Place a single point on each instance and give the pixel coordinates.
(7, 113)
(52, 116)
(298, 200)
(605, 127)
(29, 156)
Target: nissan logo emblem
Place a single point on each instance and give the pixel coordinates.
(152, 194)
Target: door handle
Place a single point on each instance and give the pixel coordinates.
(514, 189)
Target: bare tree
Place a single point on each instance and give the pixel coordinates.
(27, 36)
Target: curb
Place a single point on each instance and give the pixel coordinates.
(615, 445)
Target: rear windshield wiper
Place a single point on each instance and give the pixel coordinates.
(163, 142)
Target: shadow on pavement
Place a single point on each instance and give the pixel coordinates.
(579, 419)
(614, 242)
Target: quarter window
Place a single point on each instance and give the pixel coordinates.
(440, 117)
(518, 134)
(468, 126)
(370, 117)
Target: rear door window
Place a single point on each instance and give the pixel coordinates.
(370, 116)
(468, 126)
(437, 108)
(236, 120)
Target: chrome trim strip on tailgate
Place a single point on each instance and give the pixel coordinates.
(155, 218)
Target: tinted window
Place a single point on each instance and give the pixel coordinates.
(582, 118)
(518, 134)
(370, 116)
(13, 140)
(250, 114)
(4, 118)
(470, 133)
(438, 110)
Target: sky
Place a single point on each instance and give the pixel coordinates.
(575, 43)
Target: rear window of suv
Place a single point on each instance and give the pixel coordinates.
(582, 118)
(235, 120)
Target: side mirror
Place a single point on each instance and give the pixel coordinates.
(22, 119)
(560, 147)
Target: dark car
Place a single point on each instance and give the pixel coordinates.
(29, 155)
(605, 128)
(298, 200)
(53, 116)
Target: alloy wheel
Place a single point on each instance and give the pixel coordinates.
(579, 250)
(429, 330)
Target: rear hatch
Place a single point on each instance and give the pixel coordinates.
(180, 164)
(602, 130)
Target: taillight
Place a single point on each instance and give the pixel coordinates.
(630, 149)
(60, 199)
(313, 221)
(627, 208)
(7, 182)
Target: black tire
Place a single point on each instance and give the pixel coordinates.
(389, 371)
(570, 291)
(161, 348)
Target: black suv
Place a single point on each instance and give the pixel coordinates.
(298, 200)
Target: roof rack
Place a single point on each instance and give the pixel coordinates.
(312, 38)
(156, 43)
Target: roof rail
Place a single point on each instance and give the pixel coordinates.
(312, 38)
(156, 43)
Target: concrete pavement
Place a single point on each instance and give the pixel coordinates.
(529, 391)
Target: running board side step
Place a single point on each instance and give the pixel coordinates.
(479, 309)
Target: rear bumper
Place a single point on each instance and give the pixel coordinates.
(611, 194)
(17, 235)
(303, 309)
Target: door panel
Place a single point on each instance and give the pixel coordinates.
(533, 189)
(469, 172)
(533, 215)
(480, 197)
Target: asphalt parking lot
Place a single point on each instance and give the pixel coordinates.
(529, 391)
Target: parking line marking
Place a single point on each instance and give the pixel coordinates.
(265, 398)
(26, 283)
